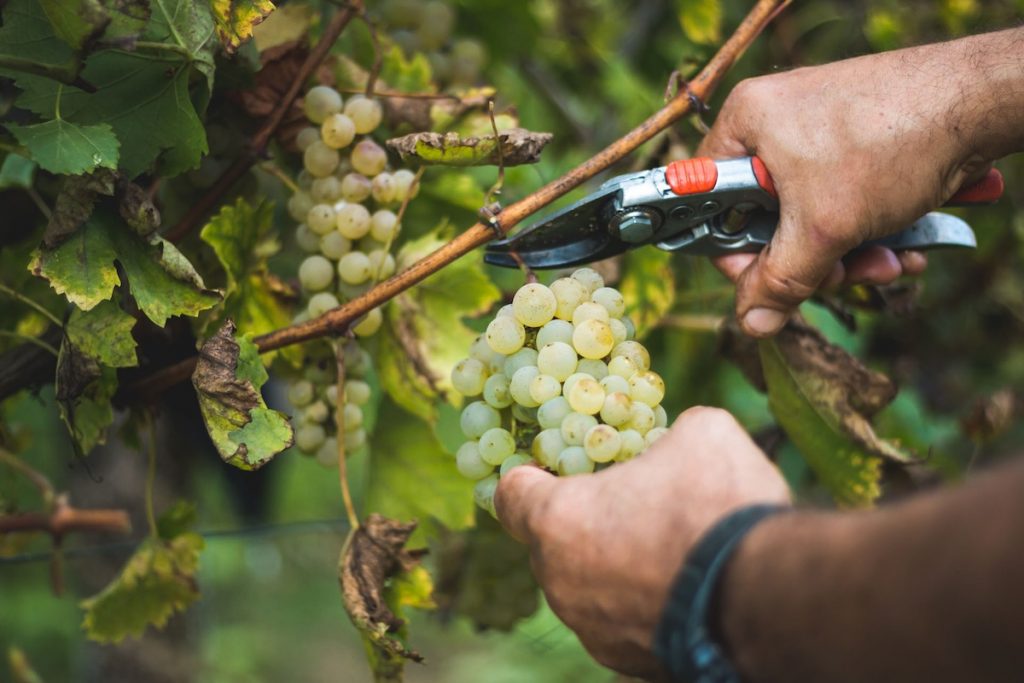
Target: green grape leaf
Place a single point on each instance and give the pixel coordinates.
(84, 390)
(104, 332)
(236, 19)
(374, 554)
(227, 379)
(424, 336)
(158, 581)
(28, 34)
(190, 25)
(243, 238)
(701, 20)
(177, 519)
(648, 286)
(823, 398)
(21, 668)
(82, 267)
(518, 146)
(403, 74)
(415, 481)
(17, 171)
(63, 147)
(76, 22)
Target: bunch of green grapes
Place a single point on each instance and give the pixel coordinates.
(346, 208)
(426, 27)
(558, 380)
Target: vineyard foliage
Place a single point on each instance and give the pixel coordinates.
(168, 202)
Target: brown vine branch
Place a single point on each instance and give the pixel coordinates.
(338, 319)
(65, 519)
(257, 146)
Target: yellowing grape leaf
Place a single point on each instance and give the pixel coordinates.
(104, 333)
(648, 286)
(62, 147)
(243, 238)
(823, 398)
(235, 20)
(158, 581)
(701, 20)
(412, 74)
(424, 336)
(227, 378)
(518, 146)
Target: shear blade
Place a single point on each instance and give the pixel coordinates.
(933, 230)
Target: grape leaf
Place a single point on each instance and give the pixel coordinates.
(823, 398)
(518, 146)
(236, 19)
(62, 147)
(701, 20)
(412, 74)
(76, 22)
(21, 668)
(84, 389)
(412, 477)
(227, 379)
(648, 286)
(16, 171)
(424, 336)
(28, 34)
(243, 238)
(158, 581)
(104, 333)
(189, 24)
(82, 267)
(75, 203)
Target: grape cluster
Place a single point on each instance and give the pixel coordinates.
(426, 27)
(346, 208)
(557, 379)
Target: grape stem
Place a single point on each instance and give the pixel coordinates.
(338, 319)
(339, 422)
(257, 147)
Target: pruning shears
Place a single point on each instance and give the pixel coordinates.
(699, 206)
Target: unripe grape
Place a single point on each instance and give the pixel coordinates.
(368, 158)
(338, 131)
(523, 414)
(593, 339)
(505, 312)
(615, 384)
(634, 351)
(496, 392)
(660, 417)
(407, 40)
(365, 113)
(506, 335)
(401, 13)
(304, 179)
(334, 245)
(554, 331)
(382, 264)
(557, 359)
(492, 360)
(371, 322)
(383, 188)
(355, 187)
(326, 190)
(309, 436)
(477, 418)
(632, 444)
(483, 493)
(586, 396)
(570, 382)
(575, 426)
(520, 359)
(352, 415)
(519, 386)
(320, 303)
(306, 137)
(354, 267)
(354, 440)
(619, 331)
(514, 460)
(300, 393)
(353, 221)
(469, 463)
(327, 454)
(317, 411)
(588, 310)
(611, 299)
(495, 445)
(622, 366)
(544, 388)
(574, 460)
(468, 377)
(641, 417)
(617, 409)
(627, 322)
(547, 446)
(357, 392)
(320, 219)
(597, 369)
(589, 278)
(315, 273)
(468, 58)
(299, 205)
(436, 25)
(440, 66)
(320, 160)
(602, 443)
(653, 435)
(307, 240)
(348, 292)
(320, 102)
(647, 387)
(551, 413)
(534, 304)
(569, 294)
(383, 225)
(405, 184)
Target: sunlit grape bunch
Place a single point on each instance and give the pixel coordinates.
(558, 380)
(427, 27)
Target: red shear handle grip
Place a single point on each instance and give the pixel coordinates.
(985, 191)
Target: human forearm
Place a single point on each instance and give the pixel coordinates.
(991, 72)
(927, 590)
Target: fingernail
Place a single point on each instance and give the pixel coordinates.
(764, 321)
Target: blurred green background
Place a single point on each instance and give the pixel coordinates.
(586, 70)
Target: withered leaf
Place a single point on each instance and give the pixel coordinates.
(518, 146)
(74, 204)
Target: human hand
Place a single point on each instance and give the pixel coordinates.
(606, 547)
(858, 149)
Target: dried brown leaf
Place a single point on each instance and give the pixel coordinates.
(518, 146)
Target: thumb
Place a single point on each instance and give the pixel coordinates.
(520, 499)
(786, 272)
